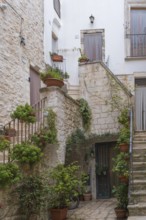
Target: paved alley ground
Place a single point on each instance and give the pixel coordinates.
(94, 210)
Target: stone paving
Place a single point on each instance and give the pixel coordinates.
(94, 210)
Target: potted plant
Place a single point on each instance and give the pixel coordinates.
(53, 77)
(56, 57)
(121, 166)
(124, 138)
(121, 194)
(24, 113)
(83, 58)
(11, 132)
(64, 185)
(32, 195)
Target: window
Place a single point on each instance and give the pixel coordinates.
(138, 33)
(93, 45)
(57, 7)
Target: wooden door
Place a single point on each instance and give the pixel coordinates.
(35, 85)
(105, 179)
(140, 104)
(93, 46)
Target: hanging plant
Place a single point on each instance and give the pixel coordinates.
(86, 113)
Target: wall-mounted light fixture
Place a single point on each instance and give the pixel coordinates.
(91, 19)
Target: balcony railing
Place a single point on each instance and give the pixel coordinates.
(137, 45)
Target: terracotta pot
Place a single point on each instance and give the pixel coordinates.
(87, 196)
(121, 213)
(53, 82)
(124, 147)
(124, 179)
(11, 132)
(58, 214)
(57, 58)
(83, 60)
(7, 137)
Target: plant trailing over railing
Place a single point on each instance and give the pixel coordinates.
(24, 113)
(9, 174)
(32, 194)
(4, 143)
(86, 113)
(47, 135)
(26, 153)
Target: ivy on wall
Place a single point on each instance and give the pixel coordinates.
(86, 113)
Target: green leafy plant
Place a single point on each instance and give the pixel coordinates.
(53, 73)
(26, 153)
(123, 118)
(101, 170)
(64, 183)
(49, 133)
(9, 174)
(24, 113)
(32, 194)
(124, 136)
(4, 143)
(121, 165)
(86, 113)
(121, 194)
(82, 58)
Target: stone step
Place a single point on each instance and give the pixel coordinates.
(139, 166)
(139, 157)
(139, 174)
(139, 145)
(137, 185)
(137, 209)
(138, 196)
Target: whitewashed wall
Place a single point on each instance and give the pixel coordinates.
(109, 15)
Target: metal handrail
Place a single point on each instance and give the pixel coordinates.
(131, 154)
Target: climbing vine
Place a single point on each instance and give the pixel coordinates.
(86, 113)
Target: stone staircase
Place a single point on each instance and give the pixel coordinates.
(137, 204)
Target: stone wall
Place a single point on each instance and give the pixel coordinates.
(68, 117)
(105, 94)
(23, 18)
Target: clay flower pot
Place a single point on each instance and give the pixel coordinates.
(124, 147)
(58, 214)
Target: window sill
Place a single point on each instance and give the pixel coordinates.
(135, 58)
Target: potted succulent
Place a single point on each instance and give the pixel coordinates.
(24, 113)
(83, 58)
(53, 77)
(56, 57)
(121, 194)
(64, 184)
